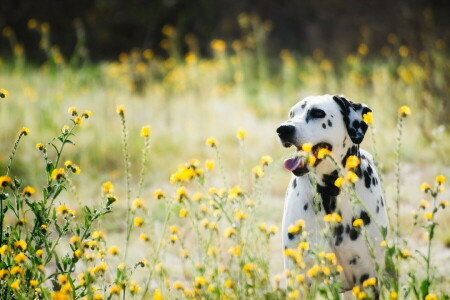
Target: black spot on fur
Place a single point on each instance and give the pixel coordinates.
(378, 209)
(354, 260)
(294, 183)
(381, 199)
(305, 207)
(365, 217)
(285, 247)
(353, 234)
(354, 279)
(363, 278)
(298, 194)
(290, 236)
(367, 179)
(369, 170)
(338, 233)
(329, 123)
(324, 126)
(355, 124)
(304, 104)
(374, 181)
(329, 192)
(347, 228)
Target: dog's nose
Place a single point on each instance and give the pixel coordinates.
(285, 131)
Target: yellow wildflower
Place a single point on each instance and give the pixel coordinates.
(229, 232)
(307, 147)
(115, 289)
(78, 120)
(322, 152)
(440, 179)
(178, 285)
(241, 133)
(258, 172)
(200, 281)
(135, 288)
(3, 249)
(405, 253)
(313, 271)
(16, 284)
(86, 114)
(28, 191)
(425, 187)
(145, 131)
(4, 93)
(273, 229)
(24, 131)
(352, 162)
(404, 111)
(265, 160)
(62, 209)
(229, 284)
(218, 45)
(73, 111)
(62, 279)
(339, 181)
(211, 142)
(304, 245)
(20, 258)
(39, 252)
(367, 117)
(39, 146)
(107, 187)
(159, 194)
(393, 296)
(428, 216)
(21, 244)
(351, 176)
(137, 203)
(138, 221)
(358, 222)
(143, 237)
(431, 297)
(5, 181)
(383, 244)
(120, 110)
(58, 174)
(369, 282)
(444, 203)
(17, 270)
(3, 273)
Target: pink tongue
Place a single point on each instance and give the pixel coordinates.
(292, 163)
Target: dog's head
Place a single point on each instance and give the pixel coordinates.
(331, 122)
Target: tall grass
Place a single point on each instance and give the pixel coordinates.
(206, 228)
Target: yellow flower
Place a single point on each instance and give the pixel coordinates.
(258, 172)
(17, 270)
(313, 271)
(58, 174)
(273, 229)
(307, 147)
(200, 281)
(86, 114)
(20, 258)
(178, 285)
(368, 118)
(28, 191)
(362, 295)
(425, 187)
(65, 129)
(159, 194)
(137, 203)
(73, 111)
(39, 146)
(24, 131)
(405, 253)
(3, 249)
(98, 296)
(304, 245)
(98, 235)
(369, 282)
(173, 238)
(334, 217)
(383, 244)
(120, 110)
(424, 204)
(78, 120)
(62, 209)
(4, 93)
(39, 252)
(352, 162)
(183, 213)
(339, 181)
(440, 179)
(322, 152)
(428, 216)
(229, 232)
(431, 297)
(5, 181)
(3, 273)
(115, 289)
(265, 160)
(135, 288)
(218, 45)
(62, 279)
(241, 133)
(210, 164)
(393, 296)
(21, 244)
(16, 284)
(107, 187)
(138, 221)
(444, 203)
(363, 49)
(229, 284)
(145, 131)
(358, 222)
(143, 237)
(351, 176)
(211, 142)
(404, 111)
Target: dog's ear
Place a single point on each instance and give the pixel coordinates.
(353, 118)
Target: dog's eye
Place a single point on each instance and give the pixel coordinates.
(317, 113)
(291, 114)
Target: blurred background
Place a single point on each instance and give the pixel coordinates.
(194, 69)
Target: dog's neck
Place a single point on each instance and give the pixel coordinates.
(326, 174)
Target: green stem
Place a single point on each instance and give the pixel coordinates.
(13, 153)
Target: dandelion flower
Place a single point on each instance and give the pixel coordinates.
(404, 111)
(78, 120)
(145, 131)
(183, 213)
(265, 160)
(86, 114)
(383, 244)
(339, 181)
(16, 284)
(159, 194)
(115, 289)
(210, 164)
(352, 177)
(322, 152)
(431, 297)
(39, 146)
(178, 285)
(352, 162)
(65, 129)
(229, 232)
(369, 282)
(137, 203)
(73, 111)
(425, 187)
(135, 288)
(138, 221)
(107, 187)
(39, 252)
(20, 258)
(218, 45)
(428, 216)
(229, 284)
(258, 172)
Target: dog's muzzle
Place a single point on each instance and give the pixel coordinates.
(286, 134)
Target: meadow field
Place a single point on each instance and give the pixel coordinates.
(161, 177)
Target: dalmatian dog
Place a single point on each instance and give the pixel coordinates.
(335, 123)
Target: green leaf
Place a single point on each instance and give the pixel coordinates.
(424, 287)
